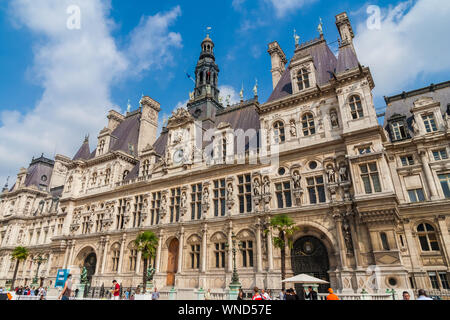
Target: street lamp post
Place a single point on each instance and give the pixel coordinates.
(235, 284)
(39, 260)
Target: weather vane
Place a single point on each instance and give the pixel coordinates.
(296, 37)
(208, 31)
(128, 106)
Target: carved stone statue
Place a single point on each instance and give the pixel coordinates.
(331, 174)
(447, 120)
(164, 204)
(334, 119)
(343, 173)
(266, 185)
(184, 200)
(256, 188)
(84, 276)
(416, 127)
(293, 128)
(347, 237)
(205, 195)
(296, 178)
(230, 191)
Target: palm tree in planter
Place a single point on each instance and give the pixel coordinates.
(285, 227)
(19, 254)
(146, 243)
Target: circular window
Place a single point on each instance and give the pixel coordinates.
(313, 165)
(44, 178)
(392, 282)
(282, 171)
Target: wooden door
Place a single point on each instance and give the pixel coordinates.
(172, 264)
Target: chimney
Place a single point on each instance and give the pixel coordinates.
(278, 62)
(149, 123)
(345, 29)
(115, 119)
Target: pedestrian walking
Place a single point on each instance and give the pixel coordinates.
(265, 295)
(282, 295)
(240, 295)
(116, 291)
(256, 295)
(66, 293)
(331, 295)
(155, 294)
(208, 295)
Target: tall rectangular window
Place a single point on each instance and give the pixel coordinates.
(121, 213)
(219, 198)
(434, 280)
(399, 132)
(445, 183)
(245, 193)
(444, 280)
(175, 199)
(155, 208)
(247, 254)
(283, 193)
(137, 214)
(195, 256)
(99, 222)
(196, 201)
(430, 123)
(416, 195)
(316, 190)
(220, 255)
(440, 155)
(370, 178)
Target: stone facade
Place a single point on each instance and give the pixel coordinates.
(371, 203)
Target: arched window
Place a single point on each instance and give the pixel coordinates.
(107, 176)
(303, 79)
(279, 132)
(115, 257)
(427, 237)
(308, 125)
(356, 107)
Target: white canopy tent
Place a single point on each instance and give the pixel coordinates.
(305, 279)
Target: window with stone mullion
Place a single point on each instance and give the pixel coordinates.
(219, 198)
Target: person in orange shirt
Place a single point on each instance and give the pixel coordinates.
(331, 295)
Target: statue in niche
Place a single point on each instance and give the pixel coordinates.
(334, 119)
(293, 128)
(184, 200)
(256, 188)
(343, 173)
(205, 195)
(266, 185)
(296, 178)
(331, 174)
(230, 191)
(347, 237)
(164, 203)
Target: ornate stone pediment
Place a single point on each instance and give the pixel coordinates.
(179, 118)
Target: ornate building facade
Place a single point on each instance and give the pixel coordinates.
(372, 203)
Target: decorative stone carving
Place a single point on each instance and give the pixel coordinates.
(293, 128)
(331, 174)
(334, 119)
(183, 203)
(163, 209)
(343, 172)
(256, 188)
(205, 202)
(297, 179)
(347, 237)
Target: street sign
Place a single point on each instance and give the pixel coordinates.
(61, 278)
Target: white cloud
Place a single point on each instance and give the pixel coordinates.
(283, 7)
(411, 42)
(228, 91)
(76, 69)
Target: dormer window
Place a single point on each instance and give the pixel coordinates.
(356, 107)
(107, 176)
(399, 131)
(146, 168)
(101, 147)
(303, 79)
(430, 123)
(279, 132)
(308, 125)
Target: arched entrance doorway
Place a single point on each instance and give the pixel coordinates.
(172, 263)
(90, 263)
(310, 256)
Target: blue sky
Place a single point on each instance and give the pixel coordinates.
(56, 84)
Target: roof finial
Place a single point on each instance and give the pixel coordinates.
(255, 88)
(320, 27)
(208, 31)
(241, 94)
(140, 101)
(7, 182)
(296, 38)
(128, 106)
(86, 138)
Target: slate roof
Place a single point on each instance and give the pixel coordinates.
(39, 168)
(347, 59)
(127, 133)
(403, 103)
(84, 152)
(324, 61)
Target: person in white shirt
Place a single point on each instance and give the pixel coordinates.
(423, 295)
(265, 295)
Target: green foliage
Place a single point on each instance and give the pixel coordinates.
(20, 254)
(286, 229)
(147, 243)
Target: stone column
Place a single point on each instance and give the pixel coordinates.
(102, 248)
(204, 247)
(355, 239)
(72, 249)
(445, 237)
(49, 265)
(412, 247)
(342, 250)
(138, 262)
(158, 253)
(270, 249)
(66, 254)
(429, 175)
(258, 246)
(180, 251)
(105, 253)
(122, 249)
